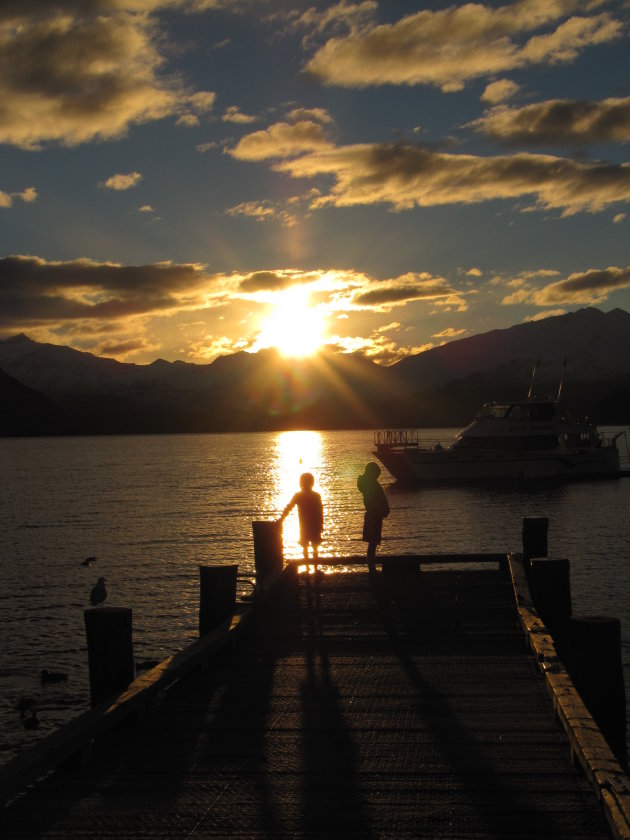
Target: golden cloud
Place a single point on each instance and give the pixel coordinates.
(280, 140)
(446, 48)
(407, 176)
(559, 121)
(74, 72)
(122, 181)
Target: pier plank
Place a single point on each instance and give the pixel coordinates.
(408, 706)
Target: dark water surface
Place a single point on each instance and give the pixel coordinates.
(152, 508)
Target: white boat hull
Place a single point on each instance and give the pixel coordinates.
(415, 464)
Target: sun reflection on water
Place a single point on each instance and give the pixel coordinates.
(296, 453)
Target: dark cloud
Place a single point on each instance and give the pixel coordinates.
(35, 291)
(559, 121)
(592, 286)
(395, 294)
(273, 281)
(122, 348)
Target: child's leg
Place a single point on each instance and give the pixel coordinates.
(371, 556)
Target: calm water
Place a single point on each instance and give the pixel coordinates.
(151, 509)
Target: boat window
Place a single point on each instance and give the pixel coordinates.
(494, 410)
(511, 443)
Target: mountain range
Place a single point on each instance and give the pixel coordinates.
(52, 389)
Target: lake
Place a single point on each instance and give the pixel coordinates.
(151, 509)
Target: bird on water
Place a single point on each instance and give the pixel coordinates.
(98, 593)
(88, 561)
(52, 676)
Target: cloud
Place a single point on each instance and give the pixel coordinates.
(407, 288)
(27, 196)
(122, 181)
(73, 72)
(590, 287)
(320, 115)
(34, 291)
(263, 211)
(559, 121)
(407, 176)
(449, 47)
(280, 140)
(233, 114)
(619, 217)
(548, 313)
(146, 208)
(449, 332)
(122, 348)
(499, 91)
(336, 19)
(275, 281)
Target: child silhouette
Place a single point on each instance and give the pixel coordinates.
(310, 515)
(376, 509)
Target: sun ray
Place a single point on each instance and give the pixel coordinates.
(294, 327)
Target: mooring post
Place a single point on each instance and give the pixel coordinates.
(217, 595)
(110, 650)
(550, 584)
(597, 673)
(268, 550)
(534, 536)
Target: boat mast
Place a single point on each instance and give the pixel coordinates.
(564, 368)
(531, 387)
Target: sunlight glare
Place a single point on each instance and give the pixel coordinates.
(294, 327)
(296, 453)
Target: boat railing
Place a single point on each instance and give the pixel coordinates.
(406, 439)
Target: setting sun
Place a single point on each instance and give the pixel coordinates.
(294, 327)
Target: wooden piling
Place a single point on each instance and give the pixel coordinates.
(597, 673)
(268, 550)
(550, 585)
(534, 536)
(110, 650)
(217, 595)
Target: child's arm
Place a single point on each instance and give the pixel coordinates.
(288, 508)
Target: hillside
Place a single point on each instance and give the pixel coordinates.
(588, 350)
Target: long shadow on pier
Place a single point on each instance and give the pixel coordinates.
(428, 622)
(407, 708)
(337, 807)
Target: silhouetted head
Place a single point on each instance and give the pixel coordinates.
(306, 481)
(372, 470)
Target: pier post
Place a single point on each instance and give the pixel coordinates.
(550, 584)
(110, 650)
(268, 550)
(534, 537)
(217, 595)
(597, 673)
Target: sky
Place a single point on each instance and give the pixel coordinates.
(184, 179)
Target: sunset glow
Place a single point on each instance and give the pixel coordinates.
(172, 188)
(295, 328)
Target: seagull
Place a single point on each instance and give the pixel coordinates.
(98, 593)
(88, 561)
(52, 676)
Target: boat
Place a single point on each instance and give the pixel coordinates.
(530, 439)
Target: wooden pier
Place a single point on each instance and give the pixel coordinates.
(425, 702)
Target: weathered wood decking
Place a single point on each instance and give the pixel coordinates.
(408, 707)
